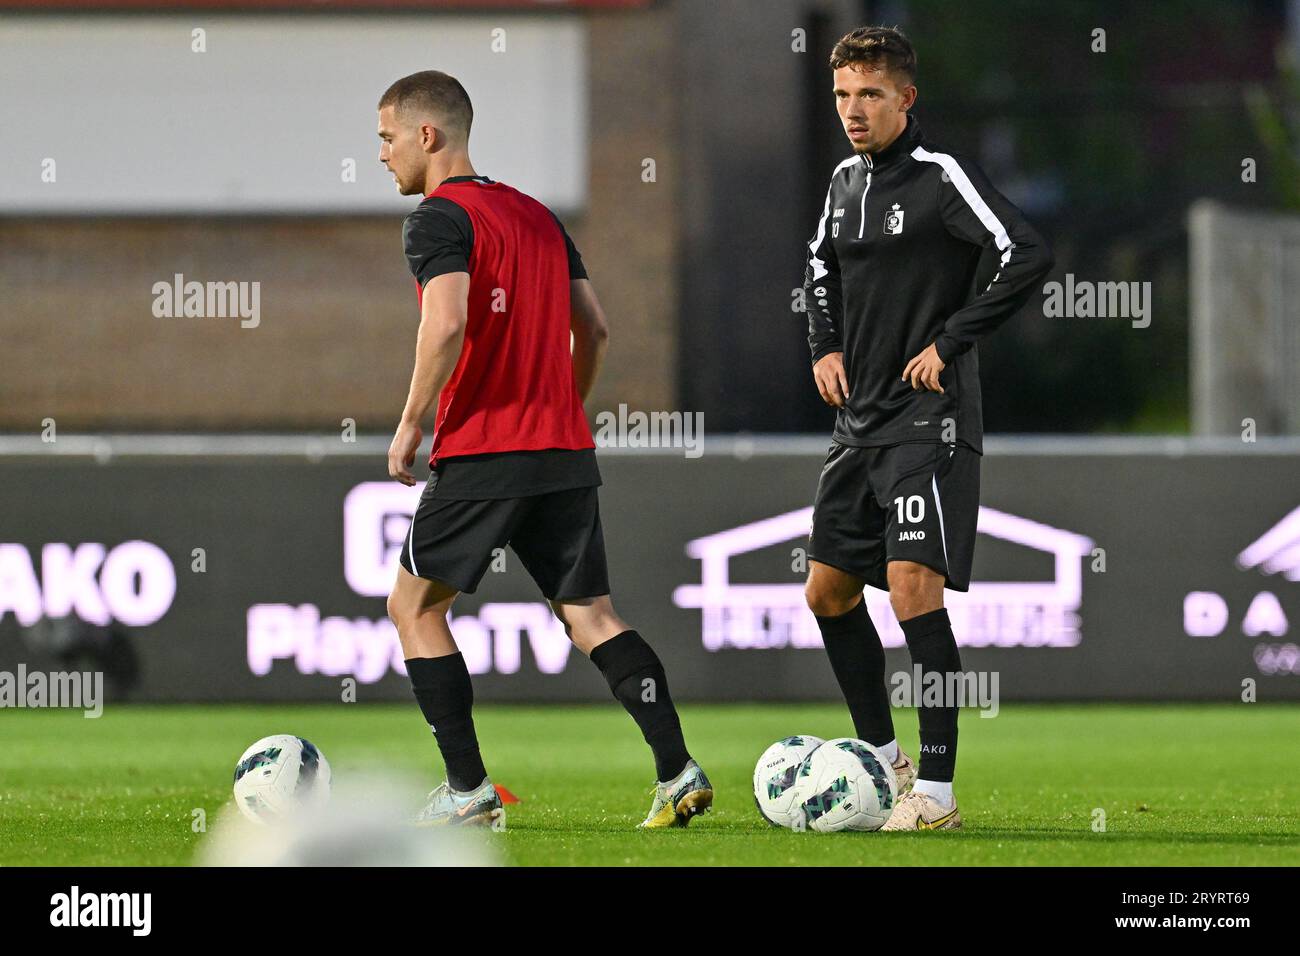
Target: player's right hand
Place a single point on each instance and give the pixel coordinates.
(831, 381)
(401, 453)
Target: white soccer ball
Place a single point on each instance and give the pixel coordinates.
(845, 784)
(279, 775)
(774, 777)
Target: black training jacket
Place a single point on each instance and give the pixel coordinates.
(892, 268)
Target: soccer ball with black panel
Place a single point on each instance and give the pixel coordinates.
(280, 775)
(774, 777)
(845, 784)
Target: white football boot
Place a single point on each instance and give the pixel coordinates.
(446, 807)
(904, 772)
(920, 811)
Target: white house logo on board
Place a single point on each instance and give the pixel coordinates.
(992, 613)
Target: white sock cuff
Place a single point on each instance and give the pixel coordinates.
(940, 790)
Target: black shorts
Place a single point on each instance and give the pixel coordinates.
(909, 502)
(557, 536)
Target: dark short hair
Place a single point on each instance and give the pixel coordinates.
(435, 92)
(878, 48)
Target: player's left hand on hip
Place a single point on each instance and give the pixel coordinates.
(923, 371)
(401, 453)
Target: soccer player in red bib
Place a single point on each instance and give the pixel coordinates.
(501, 290)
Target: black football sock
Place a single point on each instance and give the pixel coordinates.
(633, 671)
(858, 660)
(446, 698)
(930, 641)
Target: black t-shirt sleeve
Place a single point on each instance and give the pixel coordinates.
(438, 237)
(577, 269)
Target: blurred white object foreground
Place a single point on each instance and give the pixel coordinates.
(363, 824)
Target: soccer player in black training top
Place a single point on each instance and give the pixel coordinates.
(894, 312)
(501, 288)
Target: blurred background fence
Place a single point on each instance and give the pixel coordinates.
(686, 143)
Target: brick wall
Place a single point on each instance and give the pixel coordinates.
(338, 313)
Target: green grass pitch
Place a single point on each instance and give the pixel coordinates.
(1179, 784)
